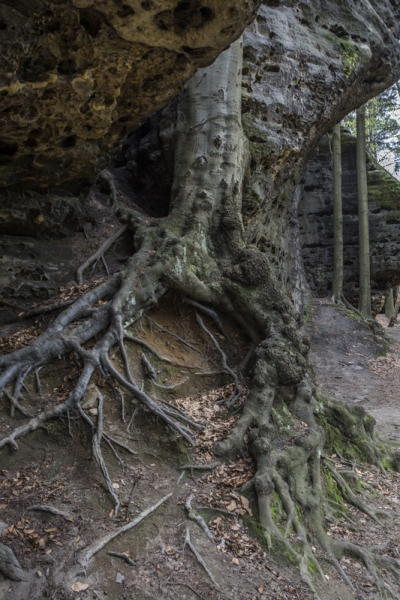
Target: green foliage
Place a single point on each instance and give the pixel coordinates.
(382, 123)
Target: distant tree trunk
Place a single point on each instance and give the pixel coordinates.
(337, 284)
(389, 305)
(365, 281)
(396, 309)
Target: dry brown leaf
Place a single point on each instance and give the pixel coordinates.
(79, 587)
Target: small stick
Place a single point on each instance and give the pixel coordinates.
(132, 418)
(124, 557)
(198, 556)
(98, 544)
(51, 509)
(130, 495)
(188, 586)
(105, 265)
(197, 518)
(117, 456)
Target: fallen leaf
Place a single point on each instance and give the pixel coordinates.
(260, 589)
(79, 587)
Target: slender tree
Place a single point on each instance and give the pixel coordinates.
(337, 285)
(396, 309)
(364, 303)
(389, 304)
(382, 128)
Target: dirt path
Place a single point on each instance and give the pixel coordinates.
(351, 367)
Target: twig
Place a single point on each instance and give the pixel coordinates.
(103, 260)
(50, 509)
(131, 494)
(97, 545)
(95, 257)
(117, 456)
(186, 585)
(198, 556)
(132, 418)
(197, 518)
(124, 557)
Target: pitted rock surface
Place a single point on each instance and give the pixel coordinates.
(77, 75)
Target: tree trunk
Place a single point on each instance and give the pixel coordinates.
(337, 285)
(389, 304)
(396, 309)
(365, 282)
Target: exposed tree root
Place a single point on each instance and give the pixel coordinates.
(51, 509)
(88, 553)
(237, 391)
(9, 564)
(199, 251)
(123, 556)
(99, 254)
(193, 516)
(199, 558)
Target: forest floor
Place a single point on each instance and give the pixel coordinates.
(54, 466)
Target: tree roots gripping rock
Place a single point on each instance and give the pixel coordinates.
(199, 251)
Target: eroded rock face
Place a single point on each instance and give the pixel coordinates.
(306, 65)
(316, 220)
(77, 75)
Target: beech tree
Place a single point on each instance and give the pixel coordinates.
(364, 303)
(199, 250)
(337, 284)
(382, 128)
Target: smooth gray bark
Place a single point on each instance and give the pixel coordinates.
(337, 284)
(389, 305)
(365, 280)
